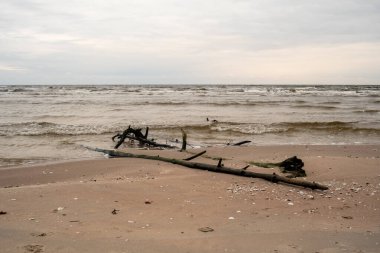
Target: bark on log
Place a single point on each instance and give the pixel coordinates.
(215, 168)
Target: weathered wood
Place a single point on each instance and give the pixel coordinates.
(150, 143)
(240, 143)
(246, 167)
(146, 133)
(195, 156)
(184, 140)
(135, 134)
(220, 163)
(215, 168)
(121, 139)
(125, 134)
(292, 165)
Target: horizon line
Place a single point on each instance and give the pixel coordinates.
(193, 84)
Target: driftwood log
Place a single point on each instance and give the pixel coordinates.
(216, 168)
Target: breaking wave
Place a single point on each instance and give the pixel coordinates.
(51, 129)
(330, 127)
(276, 128)
(48, 128)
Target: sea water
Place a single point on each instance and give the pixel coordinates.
(44, 123)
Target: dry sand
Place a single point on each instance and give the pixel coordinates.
(133, 205)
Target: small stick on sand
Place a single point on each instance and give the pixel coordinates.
(195, 156)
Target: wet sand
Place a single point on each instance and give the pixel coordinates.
(134, 205)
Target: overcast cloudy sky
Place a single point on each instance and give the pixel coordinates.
(198, 41)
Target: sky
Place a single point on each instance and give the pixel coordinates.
(189, 42)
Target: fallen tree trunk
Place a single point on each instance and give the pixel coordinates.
(216, 168)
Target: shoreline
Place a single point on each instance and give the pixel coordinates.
(47, 162)
(135, 205)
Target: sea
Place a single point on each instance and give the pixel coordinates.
(45, 123)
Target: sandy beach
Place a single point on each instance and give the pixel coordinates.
(257, 85)
(134, 205)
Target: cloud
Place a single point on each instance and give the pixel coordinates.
(318, 64)
(172, 41)
(10, 68)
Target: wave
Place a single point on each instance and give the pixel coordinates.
(331, 127)
(318, 125)
(164, 103)
(323, 107)
(51, 129)
(288, 127)
(332, 103)
(274, 128)
(370, 111)
(205, 102)
(19, 90)
(229, 128)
